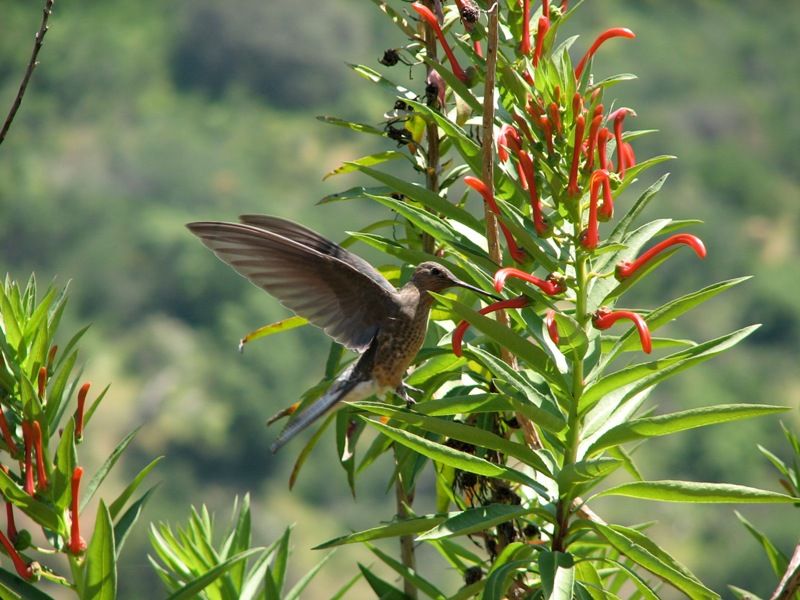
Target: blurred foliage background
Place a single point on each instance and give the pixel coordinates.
(145, 115)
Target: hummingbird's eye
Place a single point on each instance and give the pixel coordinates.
(436, 271)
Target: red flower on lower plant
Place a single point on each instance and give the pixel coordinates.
(552, 326)
(541, 31)
(22, 568)
(618, 116)
(627, 268)
(461, 329)
(76, 542)
(605, 318)
(526, 165)
(572, 187)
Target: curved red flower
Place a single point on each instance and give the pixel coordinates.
(551, 286)
(461, 329)
(552, 326)
(572, 187)
(526, 164)
(428, 16)
(618, 116)
(476, 184)
(627, 268)
(543, 26)
(606, 35)
(605, 318)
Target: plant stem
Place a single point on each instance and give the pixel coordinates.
(407, 555)
(37, 45)
(573, 420)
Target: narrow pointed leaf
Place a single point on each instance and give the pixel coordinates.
(393, 529)
(100, 569)
(473, 520)
(191, 590)
(696, 492)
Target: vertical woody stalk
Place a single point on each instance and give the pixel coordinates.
(403, 499)
(487, 175)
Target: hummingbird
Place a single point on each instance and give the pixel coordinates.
(339, 292)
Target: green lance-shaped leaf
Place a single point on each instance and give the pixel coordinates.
(383, 589)
(419, 582)
(128, 520)
(117, 505)
(650, 373)
(587, 470)
(557, 571)
(473, 520)
(460, 431)
(393, 529)
(366, 161)
(105, 468)
(375, 77)
(456, 458)
(640, 549)
(272, 329)
(696, 492)
(100, 568)
(424, 196)
(647, 427)
(191, 590)
(355, 193)
(297, 589)
(633, 172)
(13, 587)
(667, 313)
(615, 79)
(514, 557)
(40, 512)
(359, 127)
(469, 150)
(777, 559)
(398, 19)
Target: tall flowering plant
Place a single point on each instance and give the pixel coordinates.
(521, 419)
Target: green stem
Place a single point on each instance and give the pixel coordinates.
(573, 420)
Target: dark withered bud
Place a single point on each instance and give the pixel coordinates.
(473, 575)
(469, 14)
(532, 532)
(390, 57)
(507, 532)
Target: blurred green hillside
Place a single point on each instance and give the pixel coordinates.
(145, 115)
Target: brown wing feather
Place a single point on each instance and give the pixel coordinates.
(332, 294)
(311, 239)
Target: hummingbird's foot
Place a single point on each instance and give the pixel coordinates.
(402, 391)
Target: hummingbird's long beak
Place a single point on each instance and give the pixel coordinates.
(477, 290)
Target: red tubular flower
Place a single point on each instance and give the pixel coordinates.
(552, 326)
(551, 286)
(22, 568)
(628, 156)
(51, 356)
(564, 4)
(433, 22)
(605, 318)
(546, 8)
(41, 472)
(591, 140)
(526, 164)
(7, 437)
(541, 30)
(76, 542)
(458, 333)
(577, 105)
(591, 236)
(79, 411)
(555, 116)
(626, 268)
(476, 184)
(606, 35)
(544, 123)
(27, 436)
(606, 210)
(11, 526)
(508, 138)
(618, 116)
(602, 139)
(476, 45)
(572, 188)
(525, 45)
(42, 381)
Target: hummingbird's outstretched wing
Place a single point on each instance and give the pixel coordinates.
(311, 239)
(333, 294)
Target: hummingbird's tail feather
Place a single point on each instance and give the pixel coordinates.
(347, 386)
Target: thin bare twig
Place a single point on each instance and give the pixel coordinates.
(790, 583)
(37, 45)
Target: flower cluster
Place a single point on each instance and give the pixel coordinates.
(556, 155)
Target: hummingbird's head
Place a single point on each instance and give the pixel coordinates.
(433, 277)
